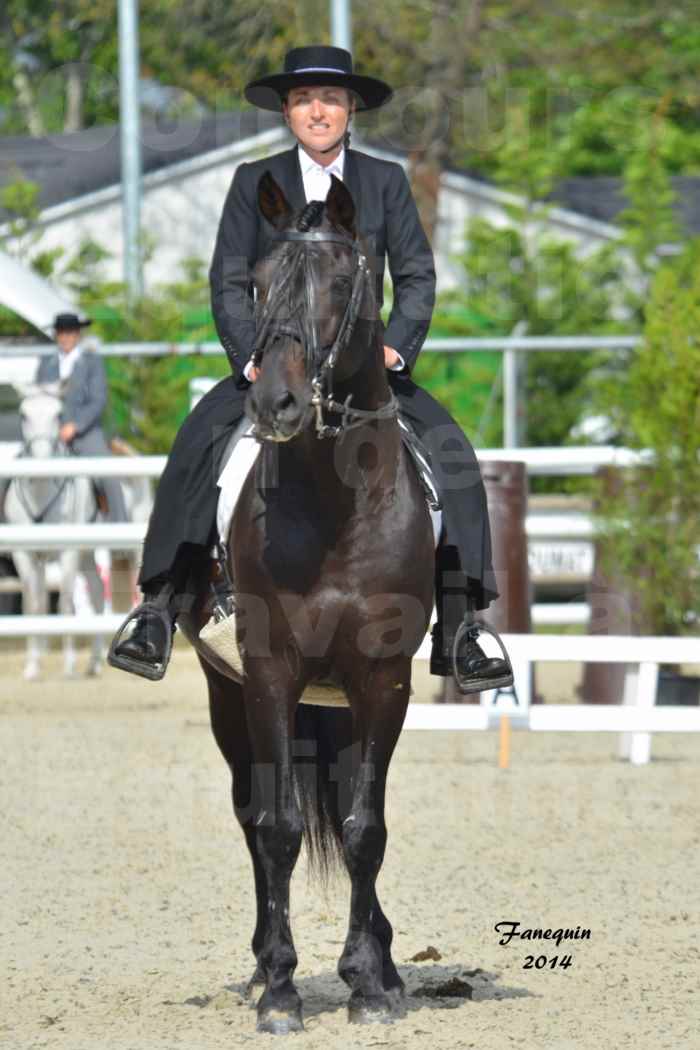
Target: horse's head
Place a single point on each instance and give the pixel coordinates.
(314, 295)
(40, 409)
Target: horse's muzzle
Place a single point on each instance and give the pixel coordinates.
(278, 416)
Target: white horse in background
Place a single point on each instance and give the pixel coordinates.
(52, 501)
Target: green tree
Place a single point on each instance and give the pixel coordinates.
(651, 525)
(59, 62)
(522, 274)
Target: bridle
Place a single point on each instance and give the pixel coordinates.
(40, 516)
(305, 330)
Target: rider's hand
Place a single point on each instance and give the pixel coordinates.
(67, 433)
(391, 358)
(253, 373)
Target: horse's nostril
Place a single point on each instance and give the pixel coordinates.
(286, 400)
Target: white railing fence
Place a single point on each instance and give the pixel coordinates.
(636, 718)
(511, 346)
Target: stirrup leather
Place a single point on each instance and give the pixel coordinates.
(472, 631)
(158, 608)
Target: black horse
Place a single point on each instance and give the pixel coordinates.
(332, 556)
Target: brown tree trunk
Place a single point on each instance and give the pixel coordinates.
(75, 91)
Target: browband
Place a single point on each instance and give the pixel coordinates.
(318, 235)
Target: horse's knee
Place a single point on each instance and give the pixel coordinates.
(364, 841)
(279, 837)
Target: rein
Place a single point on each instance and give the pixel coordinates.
(39, 516)
(322, 381)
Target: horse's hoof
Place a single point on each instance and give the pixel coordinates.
(280, 1022)
(93, 672)
(371, 1009)
(397, 1000)
(32, 674)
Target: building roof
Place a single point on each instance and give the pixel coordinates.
(603, 198)
(70, 166)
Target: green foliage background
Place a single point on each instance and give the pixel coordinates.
(651, 521)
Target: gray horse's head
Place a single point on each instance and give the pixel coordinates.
(40, 410)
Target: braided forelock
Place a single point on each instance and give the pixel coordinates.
(311, 216)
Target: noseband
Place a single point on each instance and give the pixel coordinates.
(322, 380)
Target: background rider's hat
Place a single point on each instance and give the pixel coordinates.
(307, 66)
(69, 323)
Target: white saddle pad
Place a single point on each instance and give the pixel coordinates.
(241, 460)
(239, 464)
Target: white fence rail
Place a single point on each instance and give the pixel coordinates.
(510, 346)
(129, 535)
(636, 718)
(539, 462)
(457, 344)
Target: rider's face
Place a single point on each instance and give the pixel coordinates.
(68, 340)
(318, 117)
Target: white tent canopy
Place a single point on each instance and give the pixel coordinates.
(29, 295)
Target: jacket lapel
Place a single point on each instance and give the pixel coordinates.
(292, 182)
(351, 178)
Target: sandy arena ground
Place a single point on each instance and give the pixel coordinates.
(127, 906)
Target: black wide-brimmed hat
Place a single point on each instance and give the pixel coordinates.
(69, 323)
(307, 66)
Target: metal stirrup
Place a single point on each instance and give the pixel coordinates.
(472, 630)
(159, 609)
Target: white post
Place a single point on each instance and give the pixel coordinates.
(512, 422)
(640, 745)
(341, 26)
(130, 128)
(629, 698)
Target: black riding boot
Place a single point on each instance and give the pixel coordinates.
(143, 643)
(456, 602)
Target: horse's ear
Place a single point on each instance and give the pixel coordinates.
(340, 207)
(53, 388)
(272, 202)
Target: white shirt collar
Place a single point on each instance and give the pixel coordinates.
(67, 362)
(308, 164)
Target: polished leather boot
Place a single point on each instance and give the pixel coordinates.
(143, 643)
(457, 597)
(474, 671)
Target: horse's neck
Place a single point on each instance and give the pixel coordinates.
(354, 474)
(368, 385)
(354, 467)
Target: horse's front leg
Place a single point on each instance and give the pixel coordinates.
(30, 569)
(379, 707)
(69, 571)
(228, 722)
(274, 834)
(96, 593)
